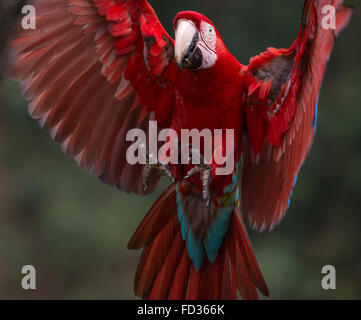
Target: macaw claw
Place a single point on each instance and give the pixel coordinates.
(205, 174)
(158, 168)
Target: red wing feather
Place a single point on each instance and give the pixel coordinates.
(281, 115)
(91, 71)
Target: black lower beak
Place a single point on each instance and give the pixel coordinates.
(192, 60)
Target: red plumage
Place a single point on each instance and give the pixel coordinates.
(165, 270)
(271, 165)
(94, 69)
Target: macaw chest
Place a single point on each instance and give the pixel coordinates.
(210, 111)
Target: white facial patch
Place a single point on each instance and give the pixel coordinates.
(209, 56)
(208, 44)
(208, 35)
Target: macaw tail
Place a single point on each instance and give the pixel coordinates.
(165, 270)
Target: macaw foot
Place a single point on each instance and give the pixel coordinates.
(158, 168)
(205, 172)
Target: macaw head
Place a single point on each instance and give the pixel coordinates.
(197, 41)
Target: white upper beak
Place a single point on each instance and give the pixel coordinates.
(183, 38)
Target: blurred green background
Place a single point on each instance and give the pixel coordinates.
(74, 229)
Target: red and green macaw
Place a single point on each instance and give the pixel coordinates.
(94, 69)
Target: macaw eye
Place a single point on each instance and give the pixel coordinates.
(208, 35)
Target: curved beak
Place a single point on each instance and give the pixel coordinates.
(186, 38)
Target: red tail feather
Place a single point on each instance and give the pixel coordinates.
(179, 287)
(165, 270)
(153, 222)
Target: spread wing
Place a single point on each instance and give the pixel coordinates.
(281, 112)
(91, 71)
